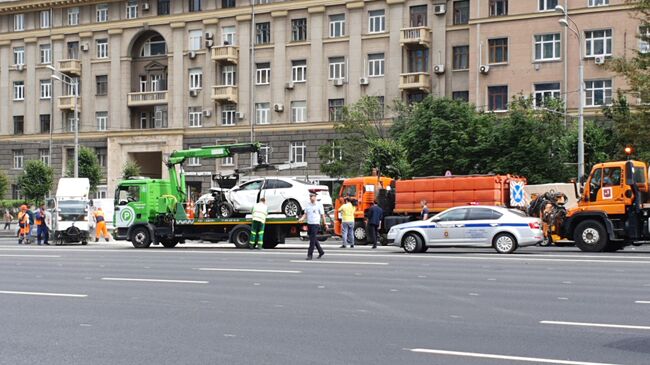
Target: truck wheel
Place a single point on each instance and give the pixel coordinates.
(591, 236)
(412, 243)
(226, 210)
(614, 246)
(241, 237)
(168, 243)
(360, 233)
(504, 243)
(140, 237)
(84, 242)
(291, 208)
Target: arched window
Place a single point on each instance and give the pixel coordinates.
(154, 46)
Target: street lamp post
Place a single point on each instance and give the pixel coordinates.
(581, 89)
(74, 85)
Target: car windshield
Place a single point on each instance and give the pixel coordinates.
(72, 209)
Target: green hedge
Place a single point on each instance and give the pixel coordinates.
(9, 204)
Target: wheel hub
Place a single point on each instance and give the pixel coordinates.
(504, 243)
(409, 243)
(590, 236)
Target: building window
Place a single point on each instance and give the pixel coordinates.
(262, 73)
(19, 124)
(19, 22)
(498, 7)
(263, 33)
(228, 114)
(228, 35)
(44, 156)
(101, 156)
(547, 47)
(547, 5)
(163, 7)
(193, 161)
(299, 30)
(461, 57)
(299, 111)
(101, 85)
(195, 39)
(376, 64)
(19, 56)
(19, 90)
(44, 120)
(461, 12)
(264, 154)
(73, 16)
(598, 2)
(598, 43)
(132, 9)
(45, 17)
(598, 92)
(299, 71)
(497, 98)
(45, 51)
(195, 116)
(335, 107)
(101, 13)
(102, 48)
(376, 21)
(154, 46)
(644, 37)
(498, 50)
(297, 152)
(336, 68)
(337, 25)
(336, 151)
(228, 3)
(460, 95)
(262, 2)
(196, 79)
(102, 121)
(73, 50)
(195, 5)
(546, 92)
(379, 113)
(262, 111)
(228, 76)
(19, 158)
(228, 161)
(71, 123)
(418, 16)
(46, 89)
(72, 89)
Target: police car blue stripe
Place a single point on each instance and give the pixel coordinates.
(475, 225)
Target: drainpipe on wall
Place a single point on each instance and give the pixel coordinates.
(251, 67)
(565, 50)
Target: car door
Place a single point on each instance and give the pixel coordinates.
(245, 196)
(481, 225)
(449, 227)
(270, 192)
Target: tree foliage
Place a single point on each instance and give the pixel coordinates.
(36, 181)
(4, 184)
(88, 167)
(130, 169)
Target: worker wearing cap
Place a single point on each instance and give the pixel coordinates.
(23, 224)
(100, 226)
(260, 211)
(42, 231)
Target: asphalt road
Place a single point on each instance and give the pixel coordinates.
(213, 304)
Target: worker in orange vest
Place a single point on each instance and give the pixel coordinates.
(100, 226)
(42, 230)
(23, 223)
(190, 210)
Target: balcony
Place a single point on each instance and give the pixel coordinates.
(417, 36)
(67, 102)
(225, 94)
(415, 81)
(70, 67)
(147, 98)
(225, 54)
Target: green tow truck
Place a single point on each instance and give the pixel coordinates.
(152, 211)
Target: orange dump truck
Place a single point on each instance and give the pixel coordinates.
(400, 199)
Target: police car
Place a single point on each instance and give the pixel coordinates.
(475, 226)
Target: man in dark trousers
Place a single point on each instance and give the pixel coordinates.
(314, 213)
(373, 223)
(42, 231)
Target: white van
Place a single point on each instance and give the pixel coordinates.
(70, 213)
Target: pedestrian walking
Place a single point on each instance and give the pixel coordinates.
(100, 226)
(424, 213)
(23, 225)
(373, 223)
(260, 211)
(42, 230)
(30, 231)
(314, 212)
(8, 219)
(347, 223)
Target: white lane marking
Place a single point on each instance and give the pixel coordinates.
(39, 256)
(562, 298)
(344, 262)
(601, 325)
(251, 270)
(505, 357)
(642, 302)
(158, 280)
(43, 294)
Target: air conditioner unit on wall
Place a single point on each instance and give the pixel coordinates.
(209, 43)
(84, 47)
(484, 69)
(145, 6)
(599, 60)
(289, 85)
(207, 113)
(439, 69)
(241, 115)
(363, 81)
(194, 93)
(339, 82)
(192, 55)
(439, 9)
(278, 108)
(209, 35)
(20, 67)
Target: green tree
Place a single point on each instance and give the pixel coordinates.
(629, 127)
(130, 169)
(389, 157)
(4, 184)
(36, 180)
(88, 167)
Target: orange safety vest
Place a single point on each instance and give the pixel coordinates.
(23, 219)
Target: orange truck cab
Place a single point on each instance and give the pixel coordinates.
(612, 210)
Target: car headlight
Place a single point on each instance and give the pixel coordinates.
(392, 231)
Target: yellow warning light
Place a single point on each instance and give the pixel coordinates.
(628, 150)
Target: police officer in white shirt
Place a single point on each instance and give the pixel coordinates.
(314, 212)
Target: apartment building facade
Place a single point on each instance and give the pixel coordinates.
(156, 76)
